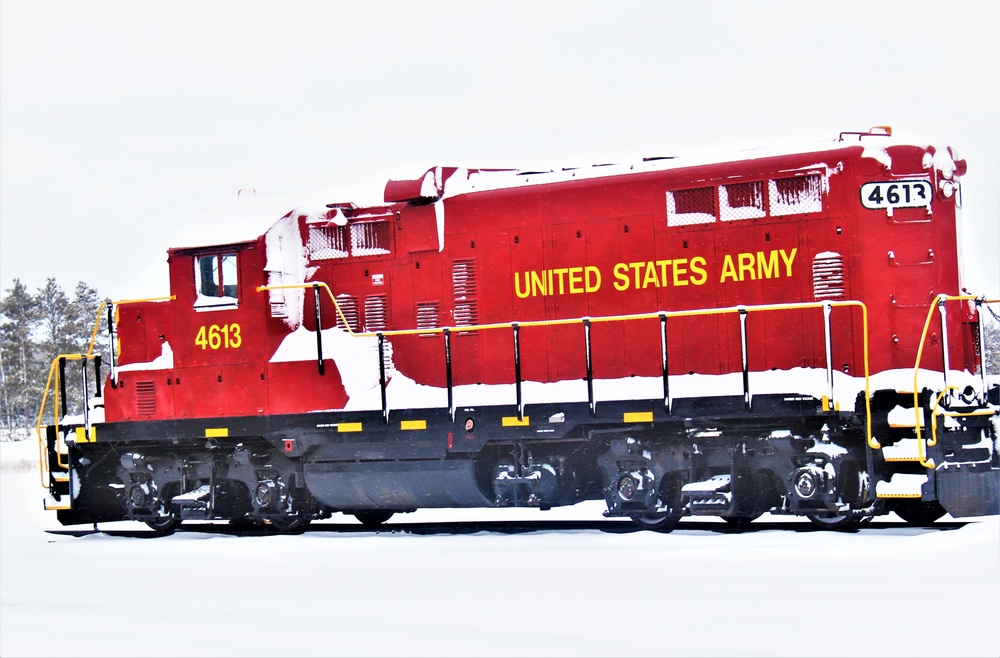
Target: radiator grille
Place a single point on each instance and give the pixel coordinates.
(796, 195)
(375, 313)
(427, 315)
(689, 207)
(742, 201)
(464, 283)
(369, 238)
(145, 397)
(349, 308)
(828, 275)
(327, 242)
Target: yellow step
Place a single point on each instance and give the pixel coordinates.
(901, 485)
(51, 504)
(902, 417)
(904, 450)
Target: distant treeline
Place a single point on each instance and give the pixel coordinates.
(34, 329)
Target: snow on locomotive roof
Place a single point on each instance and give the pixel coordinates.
(246, 217)
(464, 181)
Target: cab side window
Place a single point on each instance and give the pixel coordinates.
(216, 280)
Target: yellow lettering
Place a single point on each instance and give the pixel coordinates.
(746, 265)
(728, 270)
(596, 285)
(517, 285)
(680, 269)
(635, 268)
(621, 284)
(698, 270)
(561, 272)
(537, 284)
(664, 264)
(767, 266)
(788, 260)
(575, 280)
(650, 277)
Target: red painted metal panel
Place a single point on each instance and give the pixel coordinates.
(781, 229)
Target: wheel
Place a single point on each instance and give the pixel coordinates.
(836, 521)
(918, 512)
(164, 525)
(373, 519)
(657, 521)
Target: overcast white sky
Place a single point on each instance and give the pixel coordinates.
(122, 123)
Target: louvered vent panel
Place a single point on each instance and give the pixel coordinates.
(145, 397)
(465, 284)
(463, 277)
(427, 315)
(349, 308)
(375, 313)
(828, 275)
(466, 314)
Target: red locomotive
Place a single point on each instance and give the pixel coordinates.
(728, 337)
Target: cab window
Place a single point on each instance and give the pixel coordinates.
(216, 281)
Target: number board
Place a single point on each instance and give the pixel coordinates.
(896, 194)
(227, 336)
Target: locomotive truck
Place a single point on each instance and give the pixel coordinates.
(780, 332)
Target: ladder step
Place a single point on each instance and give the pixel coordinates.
(904, 450)
(901, 417)
(51, 504)
(901, 485)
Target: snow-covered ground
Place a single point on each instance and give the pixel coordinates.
(887, 590)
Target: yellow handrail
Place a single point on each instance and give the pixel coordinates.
(53, 383)
(872, 442)
(948, 414)
(100, 312)
(939, 299)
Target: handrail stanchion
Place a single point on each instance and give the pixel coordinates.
(97, 375)
(447, 372)
(590, 368)
(945, 361)
(665, 363)
(62, 385)
(517, 370)
(983, 360)
(745, 358)
(319, 330)
(828, 340)
(381, 376)
(84, 379)
(112, 351)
